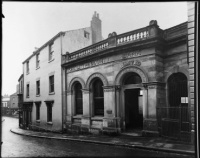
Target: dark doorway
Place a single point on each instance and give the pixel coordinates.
(133, 109)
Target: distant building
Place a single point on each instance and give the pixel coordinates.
(22, 116)
(5, 104)
(42, 98)
(14, 101)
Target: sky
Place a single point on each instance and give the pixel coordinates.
(31, 24)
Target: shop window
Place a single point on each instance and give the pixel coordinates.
(51, 84)
(98, 97)
(78, 99)
(177, 90)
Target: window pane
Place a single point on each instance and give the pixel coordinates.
(98, 97)
(51, 83)
(78, 99)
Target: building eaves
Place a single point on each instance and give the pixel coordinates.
(20, 77)
(44, 45)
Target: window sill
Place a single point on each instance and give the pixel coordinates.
(37, 95)
(51, 60)
(37, 121)
(51, 93)
(77, 116)
(49, 123)
(37, 68)
(97, 118)
(27, 97)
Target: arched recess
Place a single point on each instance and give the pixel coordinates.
(74, 80)
(177, 69)
(96, 75)
(139, 71)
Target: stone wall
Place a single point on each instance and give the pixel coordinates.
(192, 60)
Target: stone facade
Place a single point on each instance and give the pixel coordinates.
(150, 52)
(192, 62)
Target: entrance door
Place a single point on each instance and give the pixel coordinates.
(133, 109)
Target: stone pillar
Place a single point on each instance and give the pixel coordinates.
(86, 118)
(64, 97)
(192, 61)
(69, 111)
(150, 120)
(110, 121)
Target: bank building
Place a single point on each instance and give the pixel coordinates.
(135, 81)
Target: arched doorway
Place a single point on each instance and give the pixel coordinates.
(133, 101)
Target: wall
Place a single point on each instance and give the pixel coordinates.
(74, 40)
(192, 61)
(42, 73)
(14, 100)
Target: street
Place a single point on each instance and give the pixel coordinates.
(22, 146)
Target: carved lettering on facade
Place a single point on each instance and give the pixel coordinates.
(130, 55)
(131, 63)
(106, 60)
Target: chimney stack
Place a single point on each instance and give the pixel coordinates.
(96, 28)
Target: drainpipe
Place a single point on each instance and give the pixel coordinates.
(61, 79)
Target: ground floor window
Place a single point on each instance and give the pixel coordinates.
(78, 99)
(49, 110)
(37, 104)
(98, 97)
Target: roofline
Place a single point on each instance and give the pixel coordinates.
(39, 49)
(176, 25)
(20, 77)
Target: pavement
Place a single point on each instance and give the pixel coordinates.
(139, 142)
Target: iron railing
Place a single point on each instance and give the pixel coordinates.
(174, 122)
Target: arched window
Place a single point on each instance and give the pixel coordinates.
(98, 97)
(78, 99)
(177, 89)
(132, 78)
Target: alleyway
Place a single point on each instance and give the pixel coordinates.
(23, 146)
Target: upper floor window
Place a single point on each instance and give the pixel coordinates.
(27, 90)
(37, 61)
(38, 87)
(51, 84)
(86, 34)
(51, 52)
(27, 67)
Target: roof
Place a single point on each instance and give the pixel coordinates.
(20, 77)
(44, 45)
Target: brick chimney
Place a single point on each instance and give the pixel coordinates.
(96, 28)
